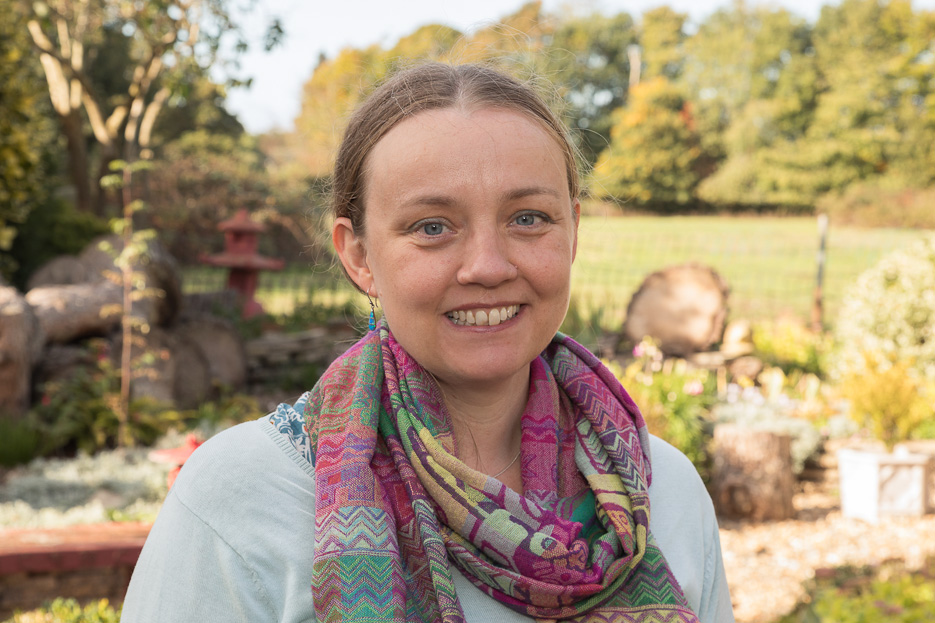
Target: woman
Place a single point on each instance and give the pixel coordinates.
(462, 461)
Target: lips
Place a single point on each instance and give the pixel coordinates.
(483, 317)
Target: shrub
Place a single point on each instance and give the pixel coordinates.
(70, 611)
(857, 595)
(890, 314)
(673, 399)
(790, 346)
(19, 441)
(888, 399)
(870, 206)
(78, 413)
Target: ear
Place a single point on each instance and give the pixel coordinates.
(574, 246)
(350, 248)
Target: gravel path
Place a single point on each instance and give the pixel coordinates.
(768, 562)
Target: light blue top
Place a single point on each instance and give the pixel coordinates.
(234, 539)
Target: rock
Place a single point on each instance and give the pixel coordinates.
(682, 307)
(20, 347)
(748, 366)
(69, 312)
(167, 369)
(160, 272)
(221, 346)
(59, 271)
(737, 340)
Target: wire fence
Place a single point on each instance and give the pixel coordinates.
(770, 265)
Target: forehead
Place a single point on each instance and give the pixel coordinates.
(446, 146)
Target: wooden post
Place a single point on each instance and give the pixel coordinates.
(753, 477)
(817, 302)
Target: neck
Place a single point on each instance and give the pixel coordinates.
(487, 423)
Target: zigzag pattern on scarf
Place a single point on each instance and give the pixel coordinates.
(394, 506)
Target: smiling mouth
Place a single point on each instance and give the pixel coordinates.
(483, 317)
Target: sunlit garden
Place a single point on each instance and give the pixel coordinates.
(755, 264)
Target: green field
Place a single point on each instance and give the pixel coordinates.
(769, 263)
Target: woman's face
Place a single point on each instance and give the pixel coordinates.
(470, 233)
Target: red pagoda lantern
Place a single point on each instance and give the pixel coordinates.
(241, 258)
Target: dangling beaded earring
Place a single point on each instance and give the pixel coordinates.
(372, 321)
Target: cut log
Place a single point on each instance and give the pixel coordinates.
(20, 348)
(69, 312)
(752, 477)
(221, 345)
(683, 308)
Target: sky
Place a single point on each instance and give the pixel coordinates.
(328, 26)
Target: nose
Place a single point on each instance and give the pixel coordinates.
(486, 260)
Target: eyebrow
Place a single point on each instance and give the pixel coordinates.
(512, 195)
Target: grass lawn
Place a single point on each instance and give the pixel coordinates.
(769, 262)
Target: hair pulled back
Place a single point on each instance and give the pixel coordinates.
(428, 87)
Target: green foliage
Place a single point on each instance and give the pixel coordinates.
(889, 314)
(63, 610)
(792, 347)
(654, 154)
(55, 228)
(229, 410)
(80, 411)
(20, 441)
(889, 593)
(673, 399)
(27, 133)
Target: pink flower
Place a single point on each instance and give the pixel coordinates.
(694, 388)
(639, 350)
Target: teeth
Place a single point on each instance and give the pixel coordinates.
(484, 317)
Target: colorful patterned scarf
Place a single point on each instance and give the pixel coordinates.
(395, 507)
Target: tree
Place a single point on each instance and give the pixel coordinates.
(654, 156)
(166, 42)
(662, 34)
(587, 60)
(27, 133)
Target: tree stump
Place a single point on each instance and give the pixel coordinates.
(753, 477)
(682, 307)
(20, 345)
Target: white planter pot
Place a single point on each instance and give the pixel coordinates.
(878, 484)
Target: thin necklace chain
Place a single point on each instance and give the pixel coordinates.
(502, 471)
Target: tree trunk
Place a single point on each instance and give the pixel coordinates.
(78, 169)
(753, 477)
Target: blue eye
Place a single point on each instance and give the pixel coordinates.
(526, 220)
(433, 229)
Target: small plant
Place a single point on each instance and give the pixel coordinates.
(791, 347)
(20, 440)
(673, 399)
(78, 413)
(70, 611)
(888, 398)
(889, 593)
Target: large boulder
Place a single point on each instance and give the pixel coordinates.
(683, 308)
(20, 347)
